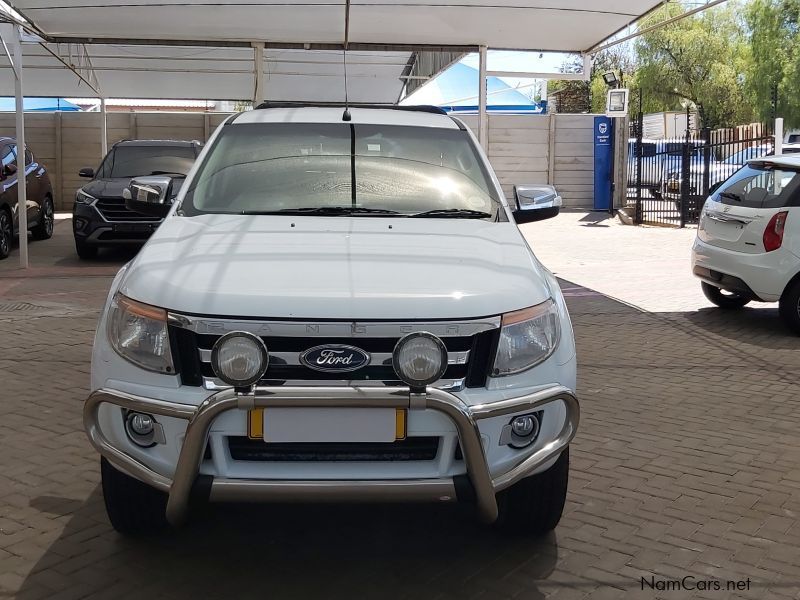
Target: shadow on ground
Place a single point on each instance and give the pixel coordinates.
(596, 219)
(757, 325)
(106, 256)
(299, 551)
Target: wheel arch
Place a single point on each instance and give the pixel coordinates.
(791, 283)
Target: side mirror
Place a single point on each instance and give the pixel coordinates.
(87, 172)
(535, 203)
(149, 195)
(9, 170)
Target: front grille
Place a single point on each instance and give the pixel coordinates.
(114, 209)
(471, 355)
(413, 448)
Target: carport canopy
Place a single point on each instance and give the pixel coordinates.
(277, 50)
(203, 49)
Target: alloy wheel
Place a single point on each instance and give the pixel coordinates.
(5, 233)
(48, 216)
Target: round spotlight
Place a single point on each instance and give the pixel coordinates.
(239, 358)
(419, 359)
(141, 429)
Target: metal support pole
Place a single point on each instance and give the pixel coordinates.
(778, 136)
(587, 67)
(483, 124)
(686, 171)
(639, 214)
(103, 128)
(22, 196)
(258, 71)
(705, 184)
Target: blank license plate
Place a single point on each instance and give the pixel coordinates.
(327, 424)
(133, 227)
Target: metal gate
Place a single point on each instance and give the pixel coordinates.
(669, 179)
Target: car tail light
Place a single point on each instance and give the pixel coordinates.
(773, 234)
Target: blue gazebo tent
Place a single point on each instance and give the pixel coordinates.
(38, 105)
(456, 89)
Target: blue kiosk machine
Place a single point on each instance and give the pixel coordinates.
(603, 161)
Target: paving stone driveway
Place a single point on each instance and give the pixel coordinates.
(687, 463)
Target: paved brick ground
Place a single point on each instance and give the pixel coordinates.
(645, 266)
(687, 463)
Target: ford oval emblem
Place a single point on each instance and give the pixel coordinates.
(335, 358)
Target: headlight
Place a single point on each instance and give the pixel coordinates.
(82, 197)
(527, 338)
(138, 332)
(239, 358)
(419, 359)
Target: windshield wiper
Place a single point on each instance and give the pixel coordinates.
(730, 196)
(175, 173)
(333, 211)
(456, 213)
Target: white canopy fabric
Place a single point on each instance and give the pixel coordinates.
(563, 25)
(204, 49)
(194, 72)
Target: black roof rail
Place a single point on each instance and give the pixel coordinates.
(410, 108)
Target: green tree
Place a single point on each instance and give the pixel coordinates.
(775, 63)
(700, 59)
(569, 95)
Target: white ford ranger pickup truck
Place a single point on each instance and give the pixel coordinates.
(338, 306)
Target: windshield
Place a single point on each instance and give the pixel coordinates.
(760, 186)
(137, 161)
(330, 167)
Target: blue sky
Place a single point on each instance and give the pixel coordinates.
(505, 60)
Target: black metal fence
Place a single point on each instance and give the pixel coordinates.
(669, 179)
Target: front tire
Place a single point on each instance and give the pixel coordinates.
(789, 308)
(535, 504)
(6, 234)
(726, 300)
(85, 251)
(133, 507)
(44, 228)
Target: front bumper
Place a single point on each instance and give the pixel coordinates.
(90, 227)
(186, 482)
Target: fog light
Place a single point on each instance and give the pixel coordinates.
(522, 431)
(419, 359)
(141, 429)
(523, 426)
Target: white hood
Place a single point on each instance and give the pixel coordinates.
(349, 268)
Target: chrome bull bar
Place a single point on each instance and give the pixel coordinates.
(200, 419)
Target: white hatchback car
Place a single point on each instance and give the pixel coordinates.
(339, 306)
(748, 240)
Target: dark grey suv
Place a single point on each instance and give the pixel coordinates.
(100, 217)
(40, 196)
